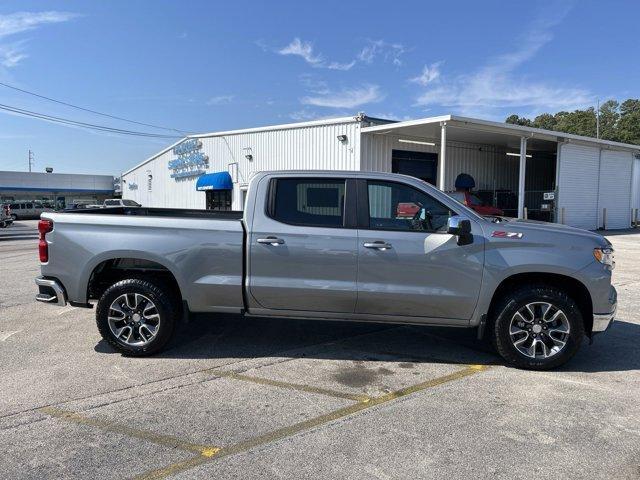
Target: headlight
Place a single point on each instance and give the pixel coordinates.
(605, 256)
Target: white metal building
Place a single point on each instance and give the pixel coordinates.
(579, 181)
(55, 189)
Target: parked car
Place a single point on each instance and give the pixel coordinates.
(331, 245)
(5, 215)
(474, 202)
(119, 202)
(27, 210)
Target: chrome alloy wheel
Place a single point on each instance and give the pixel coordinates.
(133, 319)
(539, 330)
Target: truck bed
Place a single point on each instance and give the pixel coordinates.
(162, 212)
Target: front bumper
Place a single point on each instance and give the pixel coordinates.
(50, 291)
(602, 321)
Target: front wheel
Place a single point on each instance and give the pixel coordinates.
(136, 316)
(537, 327)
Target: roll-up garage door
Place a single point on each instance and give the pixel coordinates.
(578, 186)
(615, 189)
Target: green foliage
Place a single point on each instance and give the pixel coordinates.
(618, 122)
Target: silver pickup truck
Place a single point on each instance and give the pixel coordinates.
(333, 245)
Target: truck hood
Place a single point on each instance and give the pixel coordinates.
(519, 225)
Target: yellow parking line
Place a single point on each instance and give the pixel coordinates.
(292, 386)
(206, 451)
(307, 424)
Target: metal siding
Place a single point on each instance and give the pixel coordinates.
(488, 165)
(615, 189)
(313, 147)
(578, 185)
(635, 200)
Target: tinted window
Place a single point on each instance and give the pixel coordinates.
(458, 196)
(127, 203)
(29, 205)
(312, 202)
(111, 202)
(38, 205)
(394, 206)
(14, 206)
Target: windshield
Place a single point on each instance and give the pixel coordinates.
(130, 203)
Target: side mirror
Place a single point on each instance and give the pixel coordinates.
(461, 227)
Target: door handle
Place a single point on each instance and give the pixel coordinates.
(380, 245)
(271, 241)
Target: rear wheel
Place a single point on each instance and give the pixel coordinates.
(537, 327)
(136, 316)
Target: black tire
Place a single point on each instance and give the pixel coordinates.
(514, 301)
(166, 307)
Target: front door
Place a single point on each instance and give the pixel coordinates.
(408, 265)
(303, 249)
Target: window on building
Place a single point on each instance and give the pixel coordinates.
(310, 202)
(394, 206)
(219, 200)
(422, 165)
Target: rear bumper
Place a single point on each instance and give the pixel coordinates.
(602, 321)
(50, 291)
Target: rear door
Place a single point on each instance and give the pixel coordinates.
(408, 265)
(303, 246)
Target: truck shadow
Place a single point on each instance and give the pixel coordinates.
(237, 339)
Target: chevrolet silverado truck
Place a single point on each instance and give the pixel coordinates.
(333, 245)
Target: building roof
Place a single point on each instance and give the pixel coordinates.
(489, 129)
(285, 126)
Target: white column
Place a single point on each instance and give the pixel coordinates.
(443, 155)
(522, 174)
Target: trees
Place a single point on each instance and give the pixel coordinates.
(618, 122)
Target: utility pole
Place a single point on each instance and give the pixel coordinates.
(31, 162)
(598, 120)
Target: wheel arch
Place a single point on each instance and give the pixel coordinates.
(572, 286)
(107, 271)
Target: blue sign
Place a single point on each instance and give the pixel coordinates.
(191, 162)
(188, 173)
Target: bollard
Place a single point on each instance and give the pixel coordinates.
(604, 218)
(526, 213)
(562, 215)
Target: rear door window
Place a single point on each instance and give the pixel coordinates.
(308, 202)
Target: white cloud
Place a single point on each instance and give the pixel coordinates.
(430, 73)
(389, 52)
(304, 50)
(302, 115)
(12, 53)
(497, 84)
(220, 100)
(346, 98)
(22, 21)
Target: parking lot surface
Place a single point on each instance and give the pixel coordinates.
(264, 398)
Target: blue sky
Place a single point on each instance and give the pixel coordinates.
(201, 66)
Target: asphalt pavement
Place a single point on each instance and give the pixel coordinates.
(265, 398)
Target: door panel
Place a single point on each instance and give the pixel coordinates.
(308, 263)
(422, 272)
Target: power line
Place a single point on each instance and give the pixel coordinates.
(92, 111)
(91, 126)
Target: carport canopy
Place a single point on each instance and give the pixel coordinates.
(452, 128)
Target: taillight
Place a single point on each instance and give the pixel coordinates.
(44, 227)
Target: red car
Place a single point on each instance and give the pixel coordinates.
(473, 202)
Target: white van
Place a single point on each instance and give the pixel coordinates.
(26, 210)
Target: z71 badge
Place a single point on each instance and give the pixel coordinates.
(503, 234)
